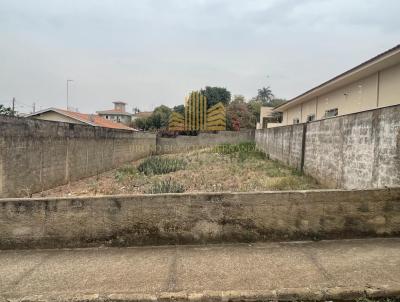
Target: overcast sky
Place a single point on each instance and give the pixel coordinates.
(154, 52)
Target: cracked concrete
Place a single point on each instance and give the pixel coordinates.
(284, 271)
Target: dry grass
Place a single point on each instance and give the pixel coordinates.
(208, 170)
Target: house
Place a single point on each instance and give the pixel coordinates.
(267, 118)
(372, 84)
(60, 115)
(118, 114)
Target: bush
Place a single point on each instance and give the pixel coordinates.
(161, 165)
(166, 186)
(122, 172)
(242, 151)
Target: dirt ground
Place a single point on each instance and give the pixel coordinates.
(205, 170)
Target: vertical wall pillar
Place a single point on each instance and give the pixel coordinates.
(303, 147)
(1, 173)
(67, 161)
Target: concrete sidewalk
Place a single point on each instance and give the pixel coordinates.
(265, 271)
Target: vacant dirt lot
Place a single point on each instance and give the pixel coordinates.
(225, 168)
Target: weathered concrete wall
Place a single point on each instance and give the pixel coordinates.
(38, 155)
(355, 151)
(360, 150)
(282, 143)
(184, 143)
(198, 218)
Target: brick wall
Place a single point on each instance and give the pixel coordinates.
(360, 150)
(198, 218)
(38, 155)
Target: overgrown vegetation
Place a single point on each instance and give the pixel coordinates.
(236, 168)
(125, 171)
(240, 113)
(166, 186)
(161, 165)
(241, 151)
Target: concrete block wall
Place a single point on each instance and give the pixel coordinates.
(184, 143)
(38, 155)
(360, 150)
(282, 143)
(198, 218)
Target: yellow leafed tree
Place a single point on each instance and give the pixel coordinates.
(197, 116)
(216, 117)
(176, 122)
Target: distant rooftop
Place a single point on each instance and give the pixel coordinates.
(89, 119)
(113, 112)
(119, 109)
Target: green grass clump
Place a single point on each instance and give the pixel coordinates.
(293, 183)
(161, 165)
(166, 186)
(242, 151)
(126, 171)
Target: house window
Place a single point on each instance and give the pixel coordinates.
(331, 112)
(310, 117)
(106, 116)
(296, 121)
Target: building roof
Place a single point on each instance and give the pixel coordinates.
(383, 60)
(89, 119)
(113, 112)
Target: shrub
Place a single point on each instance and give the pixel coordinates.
(242, 151)
(166, 186)
(161, 165)
(292, 183)
(122, 172)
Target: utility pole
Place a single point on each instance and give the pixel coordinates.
(68, 92)
(33, 107)
(13, 106)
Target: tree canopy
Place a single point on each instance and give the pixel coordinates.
(180, 109)
(238, 114)
(215, 95)
(157, 120)
(6, 110)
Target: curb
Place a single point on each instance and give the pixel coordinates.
(284, 294)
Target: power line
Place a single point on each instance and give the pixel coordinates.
(17, 106)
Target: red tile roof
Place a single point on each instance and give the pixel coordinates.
(90, 119)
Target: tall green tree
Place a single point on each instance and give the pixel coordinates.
(277, 102)
(255, 108)
(161, 116)
(265, 95)
(215, 95)
(140, 123)
(157, 120)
